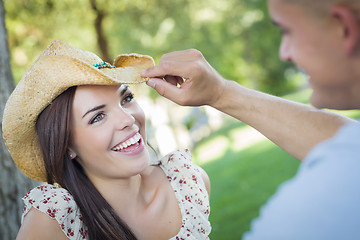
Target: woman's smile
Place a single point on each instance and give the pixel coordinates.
(108, 132)
(132, 145)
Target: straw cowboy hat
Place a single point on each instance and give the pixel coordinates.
(59, 67)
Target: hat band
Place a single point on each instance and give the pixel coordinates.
(103, 65)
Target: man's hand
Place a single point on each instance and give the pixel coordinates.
(186, 78)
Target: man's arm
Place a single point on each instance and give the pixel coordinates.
(294, 127)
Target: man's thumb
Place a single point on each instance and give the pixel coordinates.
(165, 89)
(151, 82)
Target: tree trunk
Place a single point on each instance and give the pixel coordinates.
(13, 184)
(101, 38)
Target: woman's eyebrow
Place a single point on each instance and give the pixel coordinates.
(124, 90)
(94, 109)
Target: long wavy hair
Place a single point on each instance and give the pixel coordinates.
(53, 128)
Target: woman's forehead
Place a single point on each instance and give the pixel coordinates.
(89, 93)
(99, 87)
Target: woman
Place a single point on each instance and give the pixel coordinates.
(73, 123)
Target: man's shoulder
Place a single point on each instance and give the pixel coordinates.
(342, 147)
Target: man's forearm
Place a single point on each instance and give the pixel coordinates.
(294, 127)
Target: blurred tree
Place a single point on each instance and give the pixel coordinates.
(236, 37)
(32, 25)
(101, 38)
(13, 184)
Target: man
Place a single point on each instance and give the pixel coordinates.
(321, 37)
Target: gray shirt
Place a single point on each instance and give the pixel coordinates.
(322, 201)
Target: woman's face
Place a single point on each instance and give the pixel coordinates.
(108, 132)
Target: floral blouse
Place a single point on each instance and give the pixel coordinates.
(185, 179)
(58, 204)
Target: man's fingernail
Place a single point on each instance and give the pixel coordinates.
(151, 83)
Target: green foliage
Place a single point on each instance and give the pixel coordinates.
(33, 24)
(236, 37)
(241, 182)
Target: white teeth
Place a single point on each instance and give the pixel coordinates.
(128, 143)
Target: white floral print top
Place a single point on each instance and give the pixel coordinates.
(185, 179)
(58, 204)
(190, 191)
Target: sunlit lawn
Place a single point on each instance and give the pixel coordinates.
(241, 182)
(242, 179)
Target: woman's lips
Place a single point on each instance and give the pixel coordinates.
(132, 146)
(129, 142)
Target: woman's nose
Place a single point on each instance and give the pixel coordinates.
(124, 118)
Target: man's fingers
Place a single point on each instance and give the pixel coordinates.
(174, 80)
(166, 89)
(167, 78)
(163, 69)
(171, 67)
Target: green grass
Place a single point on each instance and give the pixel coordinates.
(241, 182)
(243, 179)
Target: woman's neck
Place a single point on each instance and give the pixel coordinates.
(129, 195)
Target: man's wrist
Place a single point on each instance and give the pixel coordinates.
(223, 90)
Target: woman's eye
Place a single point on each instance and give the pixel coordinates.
(98, 117)
(127, 98)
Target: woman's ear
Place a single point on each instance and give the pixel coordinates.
(71, 153)
(350, 23)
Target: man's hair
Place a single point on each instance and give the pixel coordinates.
(323, 6)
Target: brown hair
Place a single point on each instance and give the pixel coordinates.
(53, 128)
(323, 6)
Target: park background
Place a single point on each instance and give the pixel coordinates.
(238, 40)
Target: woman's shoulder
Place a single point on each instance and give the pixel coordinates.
(178, 165)
(55, 200)
(57, 203)
(176, 157)
(48, 190)
(37, 225)
(191, 190)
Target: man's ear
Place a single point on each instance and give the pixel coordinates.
(350, 23)
(71, 153)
